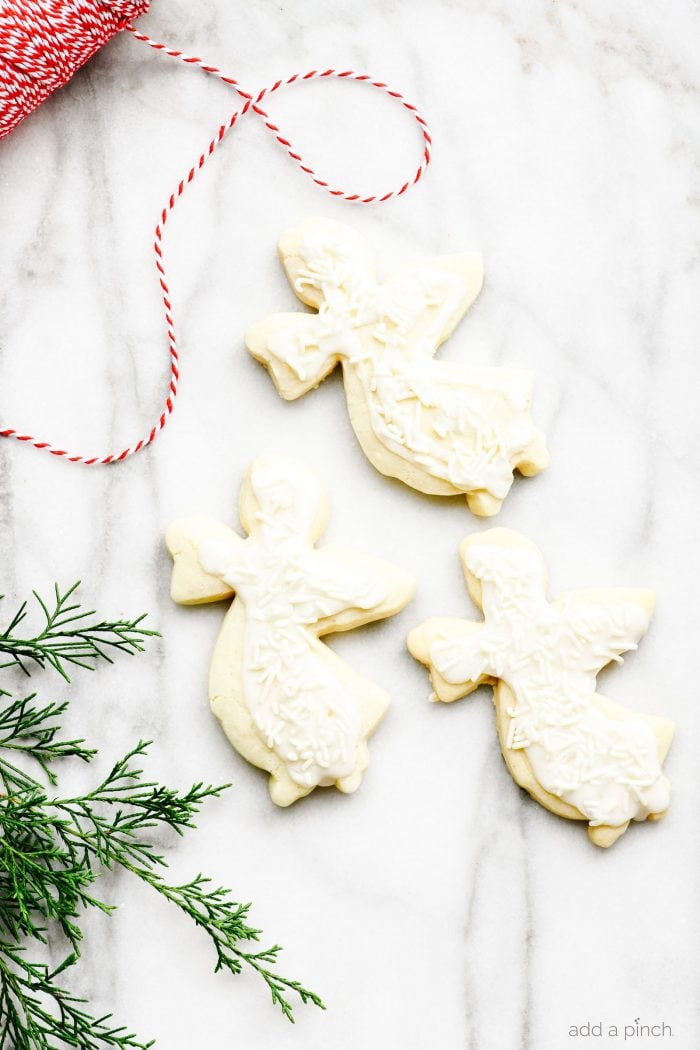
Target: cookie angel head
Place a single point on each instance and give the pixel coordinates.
(444, 428)
(287, 703)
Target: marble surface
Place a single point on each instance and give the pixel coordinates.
(439, 906)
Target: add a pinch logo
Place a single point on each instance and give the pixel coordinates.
(632, 1030)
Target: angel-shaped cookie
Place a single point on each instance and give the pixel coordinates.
(579, 754)
(286, 702)
(441, 427)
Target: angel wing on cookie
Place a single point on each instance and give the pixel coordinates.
(442, 427)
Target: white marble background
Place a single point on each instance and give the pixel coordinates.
(439, 907)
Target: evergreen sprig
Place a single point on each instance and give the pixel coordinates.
(35, 1011)
(53, 849)
(69, 636)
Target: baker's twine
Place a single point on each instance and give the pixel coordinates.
(43, 44)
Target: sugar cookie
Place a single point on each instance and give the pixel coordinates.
(579, 754)
(285, 700)
(442, 427)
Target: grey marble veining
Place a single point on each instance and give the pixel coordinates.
(438, 907)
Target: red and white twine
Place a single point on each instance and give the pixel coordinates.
(43, 42)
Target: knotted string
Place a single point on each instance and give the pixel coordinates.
(45, 41)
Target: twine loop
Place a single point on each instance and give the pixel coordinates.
(44, 42)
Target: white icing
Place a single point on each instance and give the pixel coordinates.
(298, 702)
(466, 426)
(549, 656)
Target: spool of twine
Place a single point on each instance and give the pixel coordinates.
(44, 42)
